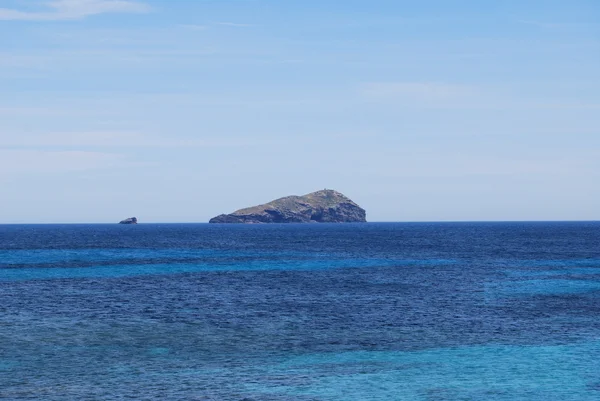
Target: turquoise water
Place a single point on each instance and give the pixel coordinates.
(498, 311)
(470, 373)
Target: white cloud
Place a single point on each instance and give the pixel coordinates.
(74, 9)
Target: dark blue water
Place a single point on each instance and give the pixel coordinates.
(486, 311)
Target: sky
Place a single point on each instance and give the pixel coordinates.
(180, 110)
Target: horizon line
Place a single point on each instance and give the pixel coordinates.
(311, 224)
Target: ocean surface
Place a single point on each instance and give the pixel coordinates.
(428, 311)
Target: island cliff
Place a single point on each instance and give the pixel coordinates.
(326, 206)
(131, 220)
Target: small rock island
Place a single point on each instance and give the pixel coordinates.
(131, 220)
(326, 206)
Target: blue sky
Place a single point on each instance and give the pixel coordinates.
(176, 111)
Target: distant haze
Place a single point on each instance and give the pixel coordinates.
(177, 111)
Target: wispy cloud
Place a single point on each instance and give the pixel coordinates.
(194, 27)
(16, 161)
(74, 9)
(556, 25)
(234, 24)
(418, 91)
(457, 96)
(212, 25)
(112, 139)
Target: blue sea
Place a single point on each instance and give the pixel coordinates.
(412, 311)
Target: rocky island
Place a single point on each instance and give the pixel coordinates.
(326, 206)
(131, 220)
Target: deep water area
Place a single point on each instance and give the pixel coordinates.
(376, 311)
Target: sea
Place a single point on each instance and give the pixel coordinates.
(331, 312)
